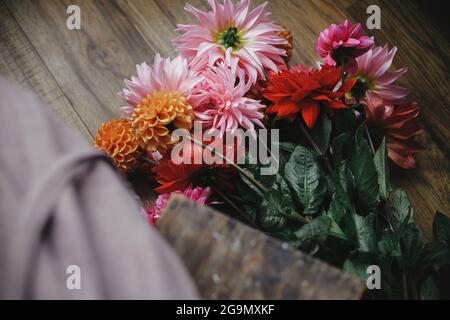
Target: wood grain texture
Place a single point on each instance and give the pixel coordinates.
(20, 62)
(256, 266)
(79, 72)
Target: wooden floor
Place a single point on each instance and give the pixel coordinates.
(78, 72)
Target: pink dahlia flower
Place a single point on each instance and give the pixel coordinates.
(341, 44)
(374, 79)
(165, 75)
(197, 194)
(235, 34)
(225, 106)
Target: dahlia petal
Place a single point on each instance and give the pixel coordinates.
(391, 92)
(405, 161)
(351, 43)
(336, 104)
(287, 108)
(310, 111)
(390, 77)
(298, 95)
(172, 186)
(348, 85)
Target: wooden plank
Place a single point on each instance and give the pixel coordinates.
(19, 62)
(88, 64)
(145, 15)
(230, 260)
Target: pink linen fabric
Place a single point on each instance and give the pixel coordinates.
(63, 204)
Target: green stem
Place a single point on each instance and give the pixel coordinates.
(369, 138)
(297, 216)
(316, 147)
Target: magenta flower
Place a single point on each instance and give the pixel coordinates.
(234, 34)
(374, 79)
(341, 44)
(197, 194)
(225, 106)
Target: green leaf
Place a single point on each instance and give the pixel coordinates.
(429, 290)
(341, 147)
(321, 131)
(389, 245)
(402, 207)
(276, 207)
(357, 263)
(381, 164)
(413, 244)
(365, 177)
(285, 151)
(436, 253)
(338, 209)
(337, 232)
(441, 228)
(287, 146)
(365, 232)
(305, 177)
(311, 235)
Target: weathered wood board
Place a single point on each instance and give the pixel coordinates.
(230, 260)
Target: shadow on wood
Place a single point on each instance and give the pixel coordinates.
(230, 260)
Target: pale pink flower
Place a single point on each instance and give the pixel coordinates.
(235, 34)
(374, 78)
(165, 75)
(198, 194)
(225, 107)
(341, 44)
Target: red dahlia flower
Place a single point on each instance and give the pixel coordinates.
(304, 90)
(399, 125)
(176, 177)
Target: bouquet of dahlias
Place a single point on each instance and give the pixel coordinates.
(311, 147)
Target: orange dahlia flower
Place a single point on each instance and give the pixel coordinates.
(286, 34)
(153, 115)
(118, 139)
